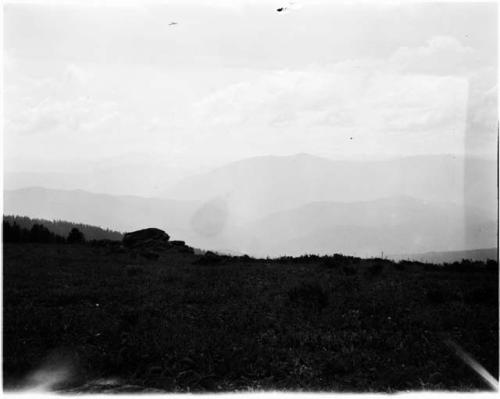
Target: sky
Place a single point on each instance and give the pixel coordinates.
(116, 82)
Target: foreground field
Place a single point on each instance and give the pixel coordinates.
(179, 323)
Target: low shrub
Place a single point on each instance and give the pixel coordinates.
(209, 258)
(428, 267)
(400, 266)
(465, 266)
(330, 263)
(376, 269)
(492, 265)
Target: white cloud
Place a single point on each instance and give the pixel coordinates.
(440, 55)
(373, 99)
(67, 117)
(279, 98)
(60, 104)
(297, 92)
(416, 102)
(424, 95)
(75, 75)
(482, 115)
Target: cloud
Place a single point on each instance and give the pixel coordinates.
(78, 115)
(331, 96)
(482, 115)
(430, 92)
(422, 87)
(282, 97)
(57, 104)
(442, 55)
(73, 74)
(416, 102)
(484, 109)
(433, 93)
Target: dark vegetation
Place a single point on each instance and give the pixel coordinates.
(63, 228)
(186, 322)
(37, 233)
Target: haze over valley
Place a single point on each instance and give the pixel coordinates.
(293, 205)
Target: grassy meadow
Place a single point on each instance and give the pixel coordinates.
(186, 322)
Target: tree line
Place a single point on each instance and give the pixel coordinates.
(63, 228)
(13, 233)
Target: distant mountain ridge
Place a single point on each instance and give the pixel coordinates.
(121, 175)
(482, 254)
(366, 228)
(273, 206)
(258, 186)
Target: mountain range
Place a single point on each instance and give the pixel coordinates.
(255, 187)
(272, 206)
(481, 254)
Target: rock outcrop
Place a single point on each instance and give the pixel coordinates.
(146, 238)
(150, 242)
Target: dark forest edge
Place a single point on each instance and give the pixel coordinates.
(26, 229)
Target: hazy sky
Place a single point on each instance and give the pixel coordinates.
(235, 79)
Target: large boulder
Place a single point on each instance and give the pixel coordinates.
(146, 238)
